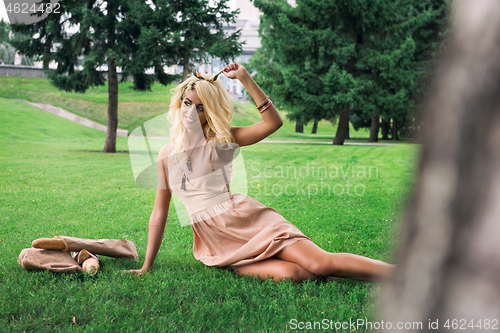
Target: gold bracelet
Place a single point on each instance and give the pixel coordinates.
(263, 103)
(267, 107)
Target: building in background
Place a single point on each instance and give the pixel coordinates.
(248, 21)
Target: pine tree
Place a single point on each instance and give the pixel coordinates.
(315, 46)
(397, 63)
(195, 31)
(4, 31)
(199, 33)
(105, 36)
(130, 35)
(327, 57)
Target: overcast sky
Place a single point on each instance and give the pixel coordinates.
(3, 13)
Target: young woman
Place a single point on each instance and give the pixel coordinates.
(231, 229)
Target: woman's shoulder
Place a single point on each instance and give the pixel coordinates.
(165, 151)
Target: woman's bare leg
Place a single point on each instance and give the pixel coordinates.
(320, 262)
(277, 269)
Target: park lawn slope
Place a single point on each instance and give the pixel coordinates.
(56, 181)
(137, 107)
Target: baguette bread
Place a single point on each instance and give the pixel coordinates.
(81, 256)
(90, 266)
(49, 244)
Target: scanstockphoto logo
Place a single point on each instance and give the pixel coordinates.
(30, 11)
(311, 180)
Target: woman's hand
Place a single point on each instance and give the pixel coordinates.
(235, 71)
(137, 271)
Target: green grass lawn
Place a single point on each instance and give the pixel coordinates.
(56, 181)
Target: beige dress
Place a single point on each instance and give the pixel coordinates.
(229, 229)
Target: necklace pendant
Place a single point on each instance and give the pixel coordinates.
(183, 185)
(189, 166)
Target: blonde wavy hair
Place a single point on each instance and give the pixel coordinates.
(217, 107)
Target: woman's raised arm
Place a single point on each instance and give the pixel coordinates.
(271, 119)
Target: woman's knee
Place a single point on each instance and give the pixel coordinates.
(310, 256)
(325, 265)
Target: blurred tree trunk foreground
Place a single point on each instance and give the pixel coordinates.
(449, 256)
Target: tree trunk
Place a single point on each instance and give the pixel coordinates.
(343, 126)
(385, 129)
(185, 68)
(315, 127)
(299, 128)
(347, 132)
(449, 255)
(112, 126)
(405, 127)
(395, 129)
(110, 145)
(374, 128)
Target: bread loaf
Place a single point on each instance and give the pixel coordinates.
(49, 244)
(90, 266)
(81, 256)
